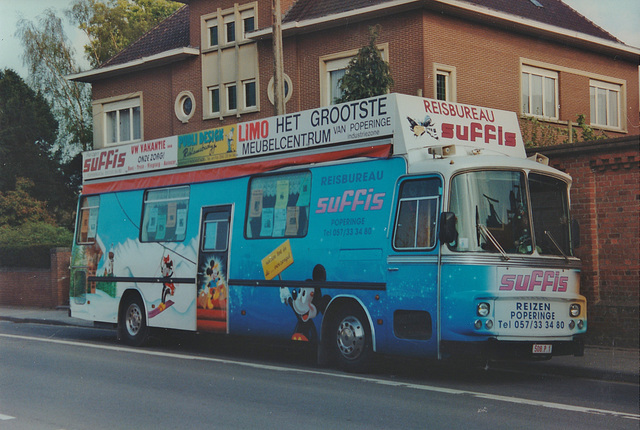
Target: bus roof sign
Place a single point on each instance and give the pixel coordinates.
(413, 124)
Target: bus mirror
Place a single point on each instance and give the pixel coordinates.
(575, 233)
(448, 231)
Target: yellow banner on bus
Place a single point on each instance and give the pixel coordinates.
(278, 260)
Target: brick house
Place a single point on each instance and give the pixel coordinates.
(211, 63)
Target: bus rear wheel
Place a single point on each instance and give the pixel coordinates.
(132, 325)
(350, 340)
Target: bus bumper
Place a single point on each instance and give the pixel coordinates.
(494, 349)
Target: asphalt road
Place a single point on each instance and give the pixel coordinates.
(80, 378)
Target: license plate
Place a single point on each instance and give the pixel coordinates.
(542, 348)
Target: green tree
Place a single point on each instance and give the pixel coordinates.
(112, 25)
(367, 74)
(27, 228)
(49, 57)
(27, 129)
(18, 207)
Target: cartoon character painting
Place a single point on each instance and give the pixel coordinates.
(306, 303)
(212, 298)
(214, 292)
(421, 127)
(168, 289)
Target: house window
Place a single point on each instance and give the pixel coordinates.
(214, 95)
(122, 121)
(229, 68)
(248, 22)
(334, 70)
(333, 67)
(232, 97)
(213, 33)
(288, 85)
(184, 106)
(539, 92)
(444, 82)
(605, 104)
(230, 29)
(250, 94)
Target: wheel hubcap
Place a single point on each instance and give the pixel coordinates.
(134, 319)
(351, 337)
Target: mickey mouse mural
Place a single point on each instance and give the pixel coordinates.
(306, 303)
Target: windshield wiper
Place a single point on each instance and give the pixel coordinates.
(553, 241)
(488, 235)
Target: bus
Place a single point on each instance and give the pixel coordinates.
(392, 225)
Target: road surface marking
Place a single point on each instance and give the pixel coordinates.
(421, 387)
(6, 417)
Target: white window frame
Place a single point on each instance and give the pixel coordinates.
(209, 25)
(450, 75)
(245, 107)
(609, 88)
(223, 65)
(288, 89)
(543, 74)
(118, 107)
(246, 14)
(178, 106)
(338, 61)
(210, 108)
(227, 99)
(230, 19)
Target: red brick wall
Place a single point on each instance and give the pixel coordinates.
(45, 288)
(606, 201)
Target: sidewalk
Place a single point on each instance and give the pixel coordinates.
(612, 364)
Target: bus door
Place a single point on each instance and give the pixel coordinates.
(213, 269)
(412, 278)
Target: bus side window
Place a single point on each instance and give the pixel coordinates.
(417, 215)
(164, 215)
(88, 220)
(278, 206)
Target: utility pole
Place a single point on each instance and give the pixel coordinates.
(278, 73)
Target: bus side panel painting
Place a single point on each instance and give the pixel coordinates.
(339, 252)
(117, 261)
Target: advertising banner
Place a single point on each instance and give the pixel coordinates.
(432, 123)
(208, 146)
(132, 158)
(326, 126)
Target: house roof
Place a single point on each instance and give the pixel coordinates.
(551, 12)
(170, 34)
(169, 41)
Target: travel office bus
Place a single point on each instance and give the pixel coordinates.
(396, 225)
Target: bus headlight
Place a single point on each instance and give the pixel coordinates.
(483, 309)
(574, 310)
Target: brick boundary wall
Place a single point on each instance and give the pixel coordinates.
(606, 199)
(37, 287)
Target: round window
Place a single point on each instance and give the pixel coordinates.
(185, 106)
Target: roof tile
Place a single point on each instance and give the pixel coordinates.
(172, 33)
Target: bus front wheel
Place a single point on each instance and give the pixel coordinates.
(132, 326)
(351, 339)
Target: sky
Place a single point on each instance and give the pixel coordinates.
(621, 18)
